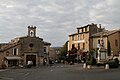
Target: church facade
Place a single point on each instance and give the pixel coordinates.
(23, 49)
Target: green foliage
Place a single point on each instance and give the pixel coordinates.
(91, 62)
(63, 51)
(108, 48)
(100, 64)
(88, 62)
(93, 52)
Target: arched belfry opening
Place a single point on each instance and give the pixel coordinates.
(32, 31)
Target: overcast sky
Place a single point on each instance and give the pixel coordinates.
(55, 19)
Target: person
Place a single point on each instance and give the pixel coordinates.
(29, 64)
(44, 62)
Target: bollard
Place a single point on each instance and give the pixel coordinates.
(88, 66)
(84, 65)
(107, 66)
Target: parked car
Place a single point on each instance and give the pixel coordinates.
(117, 57)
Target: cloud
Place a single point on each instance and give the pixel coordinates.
(55, 19)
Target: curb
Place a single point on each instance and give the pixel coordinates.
(1, 70)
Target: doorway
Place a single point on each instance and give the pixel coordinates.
(31, 58)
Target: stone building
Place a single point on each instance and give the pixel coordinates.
(46, 53)
(109, 37)
(54, 53)
(23, 49)
(81, 39)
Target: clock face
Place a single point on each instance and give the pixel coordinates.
(31, 33)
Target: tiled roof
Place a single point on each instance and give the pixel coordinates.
(105, 33)
(47, 43)
(73, 34)
(8, 46)
(92, 24)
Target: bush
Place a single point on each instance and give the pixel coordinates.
(100, 64)
(113, 64)
(91, 62)
(88, 62)
(94, 61)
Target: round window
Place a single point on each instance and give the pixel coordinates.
(31, 45)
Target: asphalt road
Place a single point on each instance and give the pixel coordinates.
(61, 72)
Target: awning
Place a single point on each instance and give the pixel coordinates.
(13, 58)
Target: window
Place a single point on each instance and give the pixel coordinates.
(31, 45)
(78, 36)
(78, 46)
(7, 53)
(44, 49)
(82, 29)
(15, 51)
(83, 46)
(78, 31)
(116, 43)
(83, 36)
(98, 41)
(72, 37)
(73, 45)
(85, 28)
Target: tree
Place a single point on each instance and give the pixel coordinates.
(63, 51)
(108, 48)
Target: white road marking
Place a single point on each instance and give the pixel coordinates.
(61, 66)
(53, 66)
(57, 66)
(26, 74)
(6, 78)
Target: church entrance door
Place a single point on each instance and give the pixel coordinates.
(31, 58)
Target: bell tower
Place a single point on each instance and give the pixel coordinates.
(32, 31)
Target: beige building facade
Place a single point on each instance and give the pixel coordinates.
(81, 39)
(112, 36)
